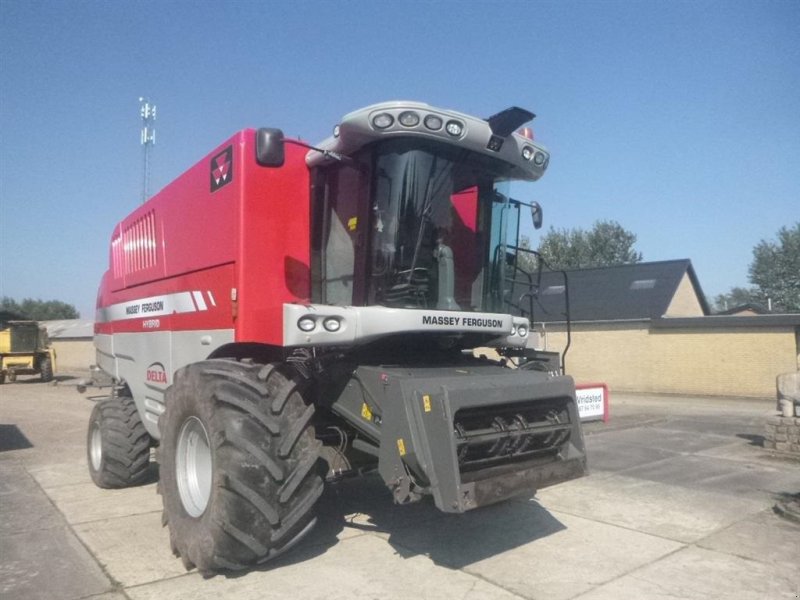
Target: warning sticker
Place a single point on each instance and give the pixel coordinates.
(366, 412)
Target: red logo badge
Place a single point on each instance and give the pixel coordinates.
(222, 169)
(156, 374)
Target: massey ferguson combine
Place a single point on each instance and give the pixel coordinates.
(283, 315)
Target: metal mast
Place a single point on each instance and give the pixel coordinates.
(148, 139)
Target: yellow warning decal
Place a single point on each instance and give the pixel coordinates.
(366, 412)
(426, 402)
(401, 447)
(352, 223)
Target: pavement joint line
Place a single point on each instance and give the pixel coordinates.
(613, 429)
(646, 464)
(746, 558)
(655, 535)
(191, 573)
(706, 434)
(115, 586)
(479, 577)
(136, 514)
(461, 570)
(120, 591)
(698, 543)
(683, 547)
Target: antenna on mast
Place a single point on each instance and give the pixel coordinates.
(148, 139)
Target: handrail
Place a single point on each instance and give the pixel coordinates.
(533, 291)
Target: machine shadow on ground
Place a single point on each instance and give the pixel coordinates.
(364, 506)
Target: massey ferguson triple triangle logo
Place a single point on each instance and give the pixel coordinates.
(222, 169)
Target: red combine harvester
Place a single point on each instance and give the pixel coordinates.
(283, 315)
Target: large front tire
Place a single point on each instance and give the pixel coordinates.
(239, 464)
(117, 444)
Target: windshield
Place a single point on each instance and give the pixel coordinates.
(408, 224)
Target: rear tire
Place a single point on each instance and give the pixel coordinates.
(240, 466)
(117, 444)
(46, 369)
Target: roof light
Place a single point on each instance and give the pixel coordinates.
(522, 331)
(408, 118)
(382, 121)
(455, 128)
(527, 152)
(539, 158)
(336, 131)
(433, 122)
(526, 132)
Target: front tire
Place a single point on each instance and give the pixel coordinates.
(239, 464)
(117, 444)
(46, 369)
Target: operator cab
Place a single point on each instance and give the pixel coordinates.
(411, 208)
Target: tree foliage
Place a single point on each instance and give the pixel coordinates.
(774, 273)
(39, 310)
(775, 270)
(606, 244)
(738, 296)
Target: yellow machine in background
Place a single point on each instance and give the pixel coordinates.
(25, 350)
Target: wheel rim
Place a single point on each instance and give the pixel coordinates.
(96, 446)
(193, 467)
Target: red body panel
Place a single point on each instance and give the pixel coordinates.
(231, 257)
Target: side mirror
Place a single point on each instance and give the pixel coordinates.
(269, 147)
(536, 214)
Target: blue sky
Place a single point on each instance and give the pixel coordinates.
(680, 120)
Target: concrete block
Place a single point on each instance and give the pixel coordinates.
(700, 574)
(361, 567)
(783, 446)
(774, 420)
(85, 502)
(669, 511)
(46, 564)
(59, 474)
(598, 553)
(788, 385)
(23, 505)
(726, 478)
(606, 454)
(133, 550)
(781, 437)
(764, 537)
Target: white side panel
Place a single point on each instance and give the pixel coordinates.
(147, 363)
(104, 352)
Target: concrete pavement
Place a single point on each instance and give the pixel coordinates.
(679, 505)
